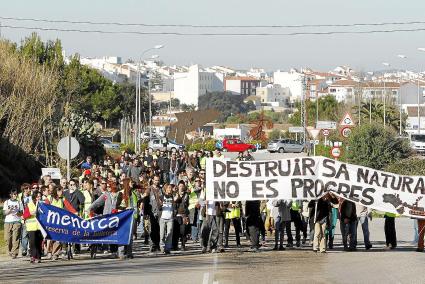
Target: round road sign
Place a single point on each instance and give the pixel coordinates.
(63, 148)
(346, 131)
(336, 152)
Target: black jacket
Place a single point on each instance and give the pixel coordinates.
(348, 210)
(323, 208)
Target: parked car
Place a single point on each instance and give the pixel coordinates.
(164, 144)
(285, 146)
(107, 144)
(236, 145)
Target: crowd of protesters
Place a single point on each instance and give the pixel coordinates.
(166, 191)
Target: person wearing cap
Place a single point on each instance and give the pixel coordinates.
(12, 210)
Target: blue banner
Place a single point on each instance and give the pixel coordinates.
(60, 225)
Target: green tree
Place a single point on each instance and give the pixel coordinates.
(275, 134)
(329, 109)
(375, 111)
(226, 103)
(374, 146)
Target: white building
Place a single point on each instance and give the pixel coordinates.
(241, 85)
(292, 80)
(190, 85)
(274, 95)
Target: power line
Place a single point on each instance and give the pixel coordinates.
(213, 34)
(212, 26)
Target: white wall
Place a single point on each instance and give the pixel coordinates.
(292, 80)
(233, 86)
(186, 86)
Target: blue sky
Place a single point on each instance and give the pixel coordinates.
(362, 52)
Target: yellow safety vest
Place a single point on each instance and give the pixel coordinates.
(203, 162)
(32, 223)
(233, 213)
(57, 203)
(388, 214)
(193, 199)
(295, 206)
(88, 200)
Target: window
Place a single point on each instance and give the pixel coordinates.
(332, 90)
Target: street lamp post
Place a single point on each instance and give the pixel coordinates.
(385, 113)
(419, 100)
(138, 115)
(399, 98)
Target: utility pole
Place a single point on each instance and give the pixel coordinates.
(303, 110)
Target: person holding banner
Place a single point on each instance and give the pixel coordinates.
(320, 214)
(110, 201)
(233, 214)
(130, 200)
(390, 232)
(348, 224)
(282, 216)
(421, 228)
(32, 226)
(56, 199)
(253, 223)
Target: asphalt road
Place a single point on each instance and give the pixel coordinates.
(298, 265)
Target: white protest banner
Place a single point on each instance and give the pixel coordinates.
(309, 178)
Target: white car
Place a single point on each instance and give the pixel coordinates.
(164, 144)
(108, 144)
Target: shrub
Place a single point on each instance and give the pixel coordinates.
(372, 145)
(411, 166)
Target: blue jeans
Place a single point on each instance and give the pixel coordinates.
(365, 228)
(166, 233)
(195, 229)
(24, 240)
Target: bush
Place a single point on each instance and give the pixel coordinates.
(275, 134)
(207, 145)
(408, 167)
(372, 145)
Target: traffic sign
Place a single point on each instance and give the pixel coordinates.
(314, 133)
(325, 132)
(296, 129)
(63, 148)
(322, 124)
(346, 131)
(347, 120)
(336, 152)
